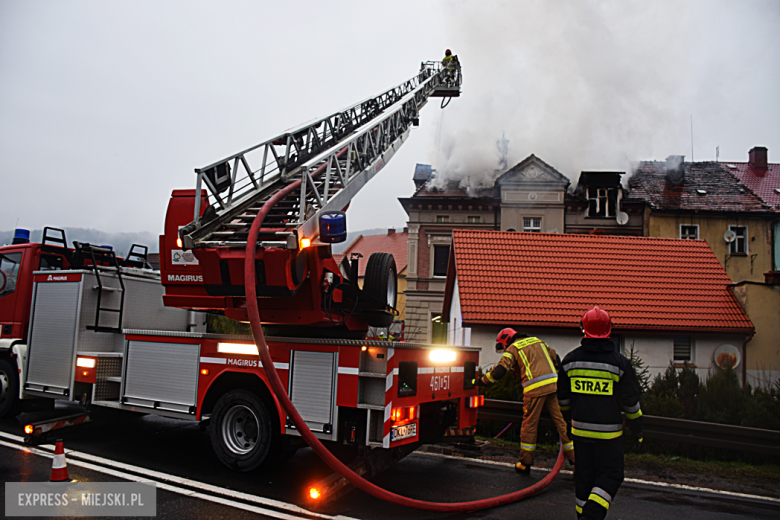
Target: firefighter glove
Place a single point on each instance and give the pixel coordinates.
(638, 442)
(479, 382)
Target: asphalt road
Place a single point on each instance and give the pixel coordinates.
(133, 447)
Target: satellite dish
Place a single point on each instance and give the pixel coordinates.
(622, 218)
(727, 356)
(729, 236)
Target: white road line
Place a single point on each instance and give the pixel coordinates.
(172, 478)
(632, 480)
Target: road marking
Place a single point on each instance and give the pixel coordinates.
(73, 456)
(632, 480)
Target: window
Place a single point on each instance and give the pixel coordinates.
(9, 271)
(689, 231)
(532, 225)
(682, 348)
(441, 219)
(441, 255)
(438, 330)
(602, 202)
(740, 244)
(472, 220)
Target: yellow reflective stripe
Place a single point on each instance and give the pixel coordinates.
(564, 408)
(490, 378)
(568, 446)
(528, 447)
(507, 354)
(596, 435)
(578, 508)
(600, 501)
(540, 383)
(527, 365)
(633, 416)
(547, 355)
(524, 343)
(600, 374)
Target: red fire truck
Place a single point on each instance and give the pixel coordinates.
(80, 324)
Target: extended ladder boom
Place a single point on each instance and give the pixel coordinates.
(333, 157)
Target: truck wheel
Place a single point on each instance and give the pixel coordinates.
(9, 389)
(241, 430)
(381, 278)
(381, 282)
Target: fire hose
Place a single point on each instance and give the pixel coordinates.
(338, 466)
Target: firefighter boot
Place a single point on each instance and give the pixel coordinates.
(522, 468)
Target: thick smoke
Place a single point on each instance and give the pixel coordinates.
(599, 85)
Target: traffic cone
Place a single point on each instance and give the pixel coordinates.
(59, 468)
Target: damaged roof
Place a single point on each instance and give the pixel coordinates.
(706, 187)
(550, 280)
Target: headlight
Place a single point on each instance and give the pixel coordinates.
(238, 348)
(442, 356)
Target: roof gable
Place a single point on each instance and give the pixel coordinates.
(550, 280)
(534, 170)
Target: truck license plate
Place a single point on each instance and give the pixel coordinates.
(403, 432)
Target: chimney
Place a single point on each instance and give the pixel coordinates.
(422, 173)
(675, 169)
(391, 232)
(406, 230)
(757, 160)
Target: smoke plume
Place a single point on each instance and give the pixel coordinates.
(599, 85)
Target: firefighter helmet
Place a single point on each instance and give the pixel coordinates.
(596, 323)
(504, 339)
(447, 52)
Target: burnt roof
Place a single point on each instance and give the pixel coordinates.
(706, 187)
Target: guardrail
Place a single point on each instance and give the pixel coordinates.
(724, 436)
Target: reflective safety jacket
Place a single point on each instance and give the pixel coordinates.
(532, 362)
(450, 62)
(596, 382)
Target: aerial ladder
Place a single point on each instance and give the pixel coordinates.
(320, 166)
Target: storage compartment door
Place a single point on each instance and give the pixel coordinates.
(52, 333)
(313, 388)
(161, 375)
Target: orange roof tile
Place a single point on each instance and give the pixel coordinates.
(395, 244)
(550, 280)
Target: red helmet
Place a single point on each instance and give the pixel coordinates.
(596, 323)
(504, 339)
(447, 52)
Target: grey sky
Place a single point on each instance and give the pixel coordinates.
(105, 107)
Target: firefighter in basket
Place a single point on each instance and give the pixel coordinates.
(536, 365)
(597, 383)
(450, 66)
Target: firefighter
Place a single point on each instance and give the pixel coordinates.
(536, 365)
(450, 65)
(596, 383)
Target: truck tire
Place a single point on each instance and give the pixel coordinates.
(381, 282)
(242, 432)
(381, 278)
(9, 389)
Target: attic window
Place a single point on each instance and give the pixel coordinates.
(732, 166)
(777, 190)
(442, 218)
(701, 192)
(601, 202)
